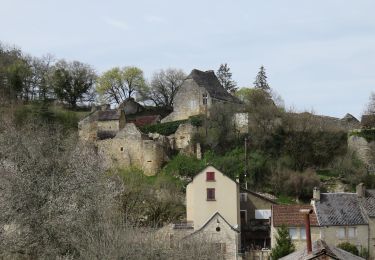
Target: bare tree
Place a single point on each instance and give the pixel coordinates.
(370, 110)
(164, 86)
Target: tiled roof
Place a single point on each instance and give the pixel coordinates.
(321, 248)
(290, 215)
(339, 209)
(108, 115)
(368, 203)
(209, 81)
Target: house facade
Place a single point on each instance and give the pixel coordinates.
(291, 217)
(196, 95)
(213, 209)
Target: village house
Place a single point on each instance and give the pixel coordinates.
(196, 95)
(255, 215)
(213, 207)
(290, 216)
(321, 251)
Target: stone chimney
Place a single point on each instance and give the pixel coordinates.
(361, 190)
(316, 194)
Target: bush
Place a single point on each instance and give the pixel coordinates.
(183, 166)
(368, 134)
(349, 248)
(284, 245)
(163, 128)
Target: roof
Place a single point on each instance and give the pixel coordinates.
(335, 209)
(350, 118)
(145, 120)
(108, 115)
(321, 248)
(368, 203)
(209, 81)
(291, 216)
(261, 195)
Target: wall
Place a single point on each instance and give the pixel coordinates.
(252, 203)
(199, 210)
(372, 237)
(299, 243)
(188, 102)
(110, 126)
(227, 237)
(131, 148)
(329, 235)
(364, 150)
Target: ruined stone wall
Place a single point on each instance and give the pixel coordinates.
(131, 148)
(88, 127)
(108, 126)
(365, 150)
(188, 102)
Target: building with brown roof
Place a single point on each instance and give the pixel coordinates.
(291, 217)
(197, 93)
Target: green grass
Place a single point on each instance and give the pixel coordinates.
(285, 200)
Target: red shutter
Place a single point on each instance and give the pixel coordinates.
(210, 176)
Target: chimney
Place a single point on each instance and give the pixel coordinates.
(306, 214)
(316, 194)
(361, 190)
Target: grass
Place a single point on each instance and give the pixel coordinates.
(285, 200)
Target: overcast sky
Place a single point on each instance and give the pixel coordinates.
(318, 54)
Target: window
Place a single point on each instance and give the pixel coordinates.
(262, 214)
(210, 194)
(210, 176)
(243, 197)
(352, 232)
(204, 96)
(302, 233)
(243, 216)
(122, 149)
(293, 233)
(340, 233)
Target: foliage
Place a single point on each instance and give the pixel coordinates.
(261, 80)
(368, 134)
(118, 84)
(370, 110)
(225, 78)
(167, 128)
(349, 248)
(364, 253)
(197, 120)
(72, 81)
(284, 245)
(183, 166)
(164, 86)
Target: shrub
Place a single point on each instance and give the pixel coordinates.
(284, 245)
(163, 128)
(368, 134)
(349, 248)
(183, 166)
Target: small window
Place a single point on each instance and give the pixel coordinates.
(262, 214)
(122, 149)
(302, 233)
(293, 233)
(352, 232)
(210, 194)
(243, 197)
(340, 233)
(204, 96)
(210, 176)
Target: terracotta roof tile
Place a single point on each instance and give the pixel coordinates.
(290, 215)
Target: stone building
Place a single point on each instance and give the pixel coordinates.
(291, 217)
(197, 93)
(255, 214)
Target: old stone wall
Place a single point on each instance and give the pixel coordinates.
(365, 150)
(131, 148)
(188, 102)
(88, 127)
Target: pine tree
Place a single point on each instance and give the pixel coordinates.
(225, 77)
(284, 245)
(261, 80)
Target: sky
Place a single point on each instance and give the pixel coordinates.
(319, 55)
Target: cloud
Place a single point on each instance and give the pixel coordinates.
(122, 25)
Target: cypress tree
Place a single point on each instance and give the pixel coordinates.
(284, 245)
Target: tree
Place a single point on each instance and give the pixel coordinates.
(225, 77)
(72, 80)
(118, 84)
(371, 105)
(164, 86)
(349, 248)
(261, 80)
(284, 245)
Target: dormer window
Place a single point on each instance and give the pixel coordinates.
(210, 176)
